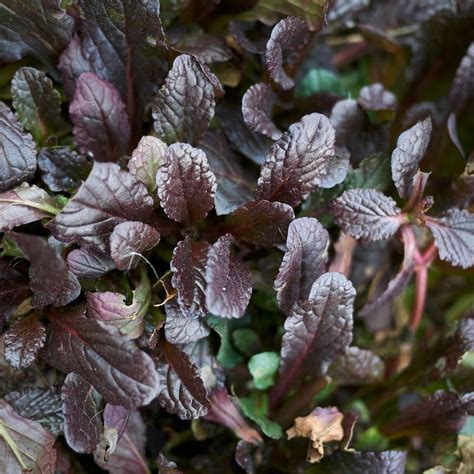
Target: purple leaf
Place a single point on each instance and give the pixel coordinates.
(458, 345)
(116, 417)
(50, 280)
(182, 391)
(100, 120)
(129, 240)
(25, 204)
(238, 30)
(108, 197)
(454, 236)
(147, 157)
(244, 457)
(14, 288)
(185, 104)
(209, 49)
(303, 263)
(188, 266)
(463, 82)
(186, 185)
(24, 444)
(89, 263)
(257, 105)
(121, 373)
(261, 223)
(284, 48)
(298, 162)
(182, 329)
(23, 339)
(376, 98)
(366, 214)
(62, 169)
(18, 151)
(338, 168)
(344, 462)
(411, 147)
(82, 421)
(229, 281)
(452, 127)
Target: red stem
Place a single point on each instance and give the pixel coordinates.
(421, 286)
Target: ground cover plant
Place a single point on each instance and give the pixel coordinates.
(236, 236)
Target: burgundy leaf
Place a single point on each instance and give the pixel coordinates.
(14, 288)
(458, 345)
(121, 373)
(284, 48)
(454, 236)
(185, 105)
(186, 185)
(82, 421)
(411, 147)
(229, 281)
(116, 417)
(238, 30)
(188, 266)
(244, 457)
(108, 197)
(463, 82)
(147, 157)
(62, 169)
(89, 263)
(182, 391)
(366, 214)
(101, 126)
(376, 98)
(261, 223)
(257, 105)
(18, 151)
(338, 168)
(209, 49)
(303, 263)
(347, 117)
(181, 328)
(129, 240)
(50, 280)
(24, 338)
(24, 444)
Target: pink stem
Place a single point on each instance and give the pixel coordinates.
(421, 286)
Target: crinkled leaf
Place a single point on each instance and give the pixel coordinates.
(185, 104)
(18, 151)
(24, 444)
(286, 44)
(24, 204)
(366, 214)
(147, 157)
(188, 265)
(411, 147)
(121, 373)
(37, 103)
(108, 197)
(101, 126)
(263, 368)
(182, 391)
(14, 288)
(181, 328)
(303, 263)
(376, 98)
(261, 223)
(357, 367)
(229, 281)
(129, 240)
(40, 28)
(257, 105)
(297, 162)
(50, 280)
(39, 404)
(458, 345)
(186, 185)
(454, 236)
(82, 421)
(232, 179)
(23, 339)
(89, 263)
(463, 82)
(62, 169)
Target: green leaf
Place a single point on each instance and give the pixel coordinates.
(372, 173)
(227, 356)
(246, 340)
(263, 368)
(10, 248)
(468, 428)
(318, 80)
(255, 407)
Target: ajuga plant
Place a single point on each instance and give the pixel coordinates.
(218, 251)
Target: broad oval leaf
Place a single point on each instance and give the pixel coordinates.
(129, 240)
(101, 126)
(181, 328)
(454, 236)
(185, 104)
(303, 263)
(297, 162)
(367, 214)
(18, 151)
(257, 105)
(261, 223)
(286, 44)
(108, 197)
(82, 421)
(229, 281)
(121, 373)
(376, 98)
(411, 147)
(89, 263)
(186, 185)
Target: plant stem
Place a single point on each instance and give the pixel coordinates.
(421, 286)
